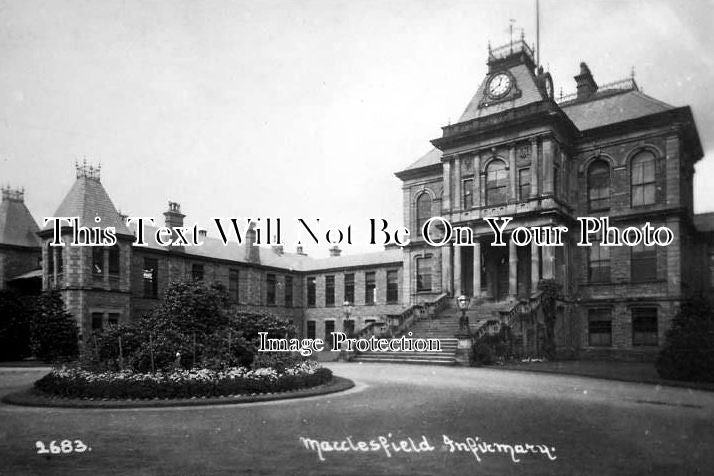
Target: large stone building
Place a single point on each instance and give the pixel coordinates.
(516, 151)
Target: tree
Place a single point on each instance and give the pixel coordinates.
(688, 351)
(54, 333)
(14, 326)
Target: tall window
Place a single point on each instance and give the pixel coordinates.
(288, 291)
(370, 287)
(599, 327)
(643, 179)
(392, 287)
(599, 263)
(311, 295)
(234, 285)
(350, 288)
(329, 290)
(643, 263)
(60, 260)
(311, 329)
(467, 187)
(524, 184)
(496, 183)
(97, 261)
(423, 210)
(114, 261)
(424, 273)
(270, 293)
(644, 326)
(599, 185)
(150, 275)
(197, 272)
(556, 181)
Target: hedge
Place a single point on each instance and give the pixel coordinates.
(77, 383)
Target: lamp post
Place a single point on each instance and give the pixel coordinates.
(463, 304)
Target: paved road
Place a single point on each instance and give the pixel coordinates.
(589, 426)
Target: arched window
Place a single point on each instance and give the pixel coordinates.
(599, 185)
(496, 183)
(643, 179)
(423, 210)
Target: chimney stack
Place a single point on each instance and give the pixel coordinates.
(335, 251)
(173, 218)
(585, 83)
(252, 252)
(13, 194)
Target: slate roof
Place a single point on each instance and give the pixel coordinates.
(17, 227)
(88, 199)
(214, 248)
(525, 82)
(430, 158)
(610, 107)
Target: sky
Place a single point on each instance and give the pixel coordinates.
(298, 108)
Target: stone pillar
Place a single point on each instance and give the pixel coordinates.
(446, 172)
(446, 271)
(535, 266)
(457, 183)
(548, 262)
(477, 181)
(512, 172)
(457, 271)
(548, 151)
(512, 269)
(534, 167)
(477, 269)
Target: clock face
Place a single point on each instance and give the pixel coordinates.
(499, 85)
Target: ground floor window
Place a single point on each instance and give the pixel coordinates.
(600, 327)
(310, 329)
(423, 266)
(644, 326)
(101, 319)
(329, 329)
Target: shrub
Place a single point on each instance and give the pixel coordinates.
(53, 331)
(688, 351)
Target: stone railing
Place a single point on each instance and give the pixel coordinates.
(510, 316)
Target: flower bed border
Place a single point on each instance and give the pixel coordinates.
(33, 398)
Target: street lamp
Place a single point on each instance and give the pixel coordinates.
(463, 303)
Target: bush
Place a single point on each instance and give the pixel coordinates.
(78, 383)
(481, 354)
(193, 321)
(688, 351)
(54, 333)
(14, 326)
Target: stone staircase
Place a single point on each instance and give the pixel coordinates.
(443, 326)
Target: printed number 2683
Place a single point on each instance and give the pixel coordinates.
(63, 447)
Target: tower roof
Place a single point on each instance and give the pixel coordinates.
(17, 227)
(88, 199)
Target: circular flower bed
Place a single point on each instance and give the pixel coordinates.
(126, 384)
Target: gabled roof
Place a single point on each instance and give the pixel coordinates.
(610, 107)
(704, 222)
(88, 199)
(524, 81)
(17, 227)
